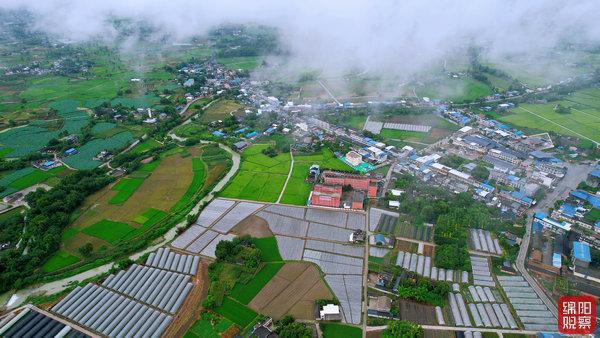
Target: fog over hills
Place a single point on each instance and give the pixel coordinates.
(334, 36)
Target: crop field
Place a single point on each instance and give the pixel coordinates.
(244, 293)
(582, 121)
(387, 224)
(165, 184)
(236, 312)
(13, 212)
(33, 137)
(206, 328)
(148, 144)
(337, 330)
(269, 249)
(260, 178)
(457, 90)
(102, 128)
(241, 62)
(108, 230)
(421, 233)
(440, 128)
(297, 189)
(84, 159)
(60, 260)
(146, 101)
(198, 179)
(417, 313)
(125, 188)
(219, 110)
(25, 178)
(293, 290)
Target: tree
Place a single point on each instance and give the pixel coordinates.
(480, 172)
(209, 303)
(86, 249)
(401, 328)
(560, 109)
(287, 327)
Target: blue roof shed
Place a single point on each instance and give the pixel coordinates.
(379, 238)
(586, 196)
(217, 133)
(581, 251)
(540, 215)
(568, 210)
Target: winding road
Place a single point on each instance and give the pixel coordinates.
(574, 175)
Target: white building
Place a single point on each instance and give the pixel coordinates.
(330, 312)
(354, 158)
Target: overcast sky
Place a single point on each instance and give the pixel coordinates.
(382, 35)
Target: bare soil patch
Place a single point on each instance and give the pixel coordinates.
(417, 313)
(292, 290)
(253, 226)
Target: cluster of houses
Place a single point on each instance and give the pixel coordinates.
(518, 165)
(59, 66)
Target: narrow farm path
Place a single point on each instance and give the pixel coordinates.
(287, 179)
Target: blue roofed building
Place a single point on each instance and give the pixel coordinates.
(550, 335)
(556, 226)
(593, 178)
(587, 197)
(251, 134)
(239, 131)
(517, 196)
(540, 215)
(70, 151)
(218, 133)
(567, 210)
(48, 164)
(581, 254)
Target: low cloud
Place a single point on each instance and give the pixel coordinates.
(386, 37)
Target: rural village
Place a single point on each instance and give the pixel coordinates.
(199, 200)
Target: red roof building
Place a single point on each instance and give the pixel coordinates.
(357, 182)
(326, 196)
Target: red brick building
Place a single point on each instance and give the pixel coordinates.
(357, 182)
(326, 196)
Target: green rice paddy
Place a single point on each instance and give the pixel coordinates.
(108, 230)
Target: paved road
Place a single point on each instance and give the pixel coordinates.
(575, 174)
(59, 285)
